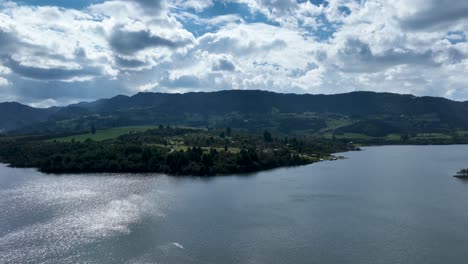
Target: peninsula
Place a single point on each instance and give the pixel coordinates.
(165, 149)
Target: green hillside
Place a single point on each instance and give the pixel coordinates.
(372, 115)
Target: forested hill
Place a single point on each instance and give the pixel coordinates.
(254, 101)
(357, 112)
(14, 115)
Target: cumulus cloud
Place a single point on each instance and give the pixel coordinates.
(124, 46)
(243, 40)
(281, 7)
(224, 65)
(8, 41)
(4, 82)
(103, 41)
(433, 13)
(43, 48)
(130, 63)
(129, 42)
(152, 7)
(196, 5)
(51, 73)
(357, 56)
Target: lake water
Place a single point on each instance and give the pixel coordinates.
(395, 204)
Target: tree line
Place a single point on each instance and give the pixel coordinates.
(199, 153)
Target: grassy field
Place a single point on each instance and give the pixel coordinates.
(393, 137)
(105, 134)
(112, 133)
(181, 146)
(347, 136)
(432, 136)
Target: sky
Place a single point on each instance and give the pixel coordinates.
(57, 52)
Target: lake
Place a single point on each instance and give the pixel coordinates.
(393, 204)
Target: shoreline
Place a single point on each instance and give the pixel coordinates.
(332, 157)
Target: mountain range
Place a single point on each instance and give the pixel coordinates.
(370, 113)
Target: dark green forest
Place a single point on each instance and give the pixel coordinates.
(176, 151)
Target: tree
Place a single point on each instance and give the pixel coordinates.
(207, 160)
(267, 136)
(404, 137)
(176, 161)
(455, 136)
(222, 135)
(93, 129)
(228, 131)
(146, 156)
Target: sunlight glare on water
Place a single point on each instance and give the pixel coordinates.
(394, 204)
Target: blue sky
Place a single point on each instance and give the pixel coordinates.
(56, 52)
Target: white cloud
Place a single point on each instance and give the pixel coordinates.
(53, 43)
(4, 82)
(4, 70)
(369, 51)
(245, 56)
(197, 5)
(55, 102)
(223, 19)
(408, 46)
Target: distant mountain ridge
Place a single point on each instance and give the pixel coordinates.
(234, 107)
(14, 115)
(355, 103)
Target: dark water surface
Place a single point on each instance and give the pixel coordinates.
(396, 204)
